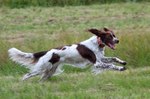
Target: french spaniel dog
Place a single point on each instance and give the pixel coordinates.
(88, 52)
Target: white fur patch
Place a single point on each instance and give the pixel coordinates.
(25, 59)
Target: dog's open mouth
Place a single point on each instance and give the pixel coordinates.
(111, 45)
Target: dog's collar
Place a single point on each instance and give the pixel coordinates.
(100, 43)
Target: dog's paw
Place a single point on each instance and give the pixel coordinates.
(123, 69)
(25, 77)
(124, 63)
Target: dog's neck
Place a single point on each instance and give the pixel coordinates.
(93, 43)
(100, 43)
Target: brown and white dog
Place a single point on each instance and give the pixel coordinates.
(88, 52)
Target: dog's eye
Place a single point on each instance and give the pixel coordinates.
(109, 37)
(113, 35)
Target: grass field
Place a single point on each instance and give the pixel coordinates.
(51, 3)
(35, 29)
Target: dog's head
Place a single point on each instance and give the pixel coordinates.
(105, 37)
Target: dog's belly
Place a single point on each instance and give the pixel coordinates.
(78, 63)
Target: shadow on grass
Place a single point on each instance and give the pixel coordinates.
(70, 69)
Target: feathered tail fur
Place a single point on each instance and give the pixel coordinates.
(23, 58)
(27, 60)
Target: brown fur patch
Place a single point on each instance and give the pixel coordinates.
(86, 53)
(55, 58)
(38, 55)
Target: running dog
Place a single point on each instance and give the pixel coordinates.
(88, 52)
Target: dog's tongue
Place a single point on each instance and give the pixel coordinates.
(112, 46)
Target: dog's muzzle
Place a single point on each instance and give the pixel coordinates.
(117, 41)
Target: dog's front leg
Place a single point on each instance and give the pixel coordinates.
(98, 66)
(113, 59)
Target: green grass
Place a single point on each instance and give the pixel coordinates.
(131, 84)
(48, 3)
(35, 29)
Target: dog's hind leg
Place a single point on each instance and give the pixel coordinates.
(48, 73)
(29, 75)
(38, 69)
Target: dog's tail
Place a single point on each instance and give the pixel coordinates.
(25, 59)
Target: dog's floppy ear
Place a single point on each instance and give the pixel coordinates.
(95, 31)
(106, 29)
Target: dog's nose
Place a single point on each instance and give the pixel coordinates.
(117, 41)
